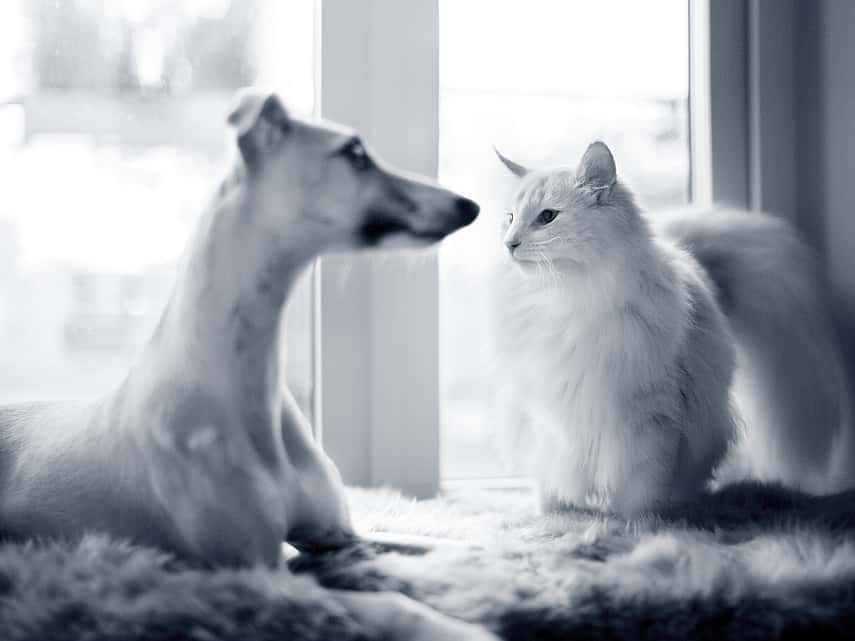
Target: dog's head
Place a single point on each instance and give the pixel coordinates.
(325, 176)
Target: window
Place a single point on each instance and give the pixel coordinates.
(541, 80)
(111, 136)
(111, 140)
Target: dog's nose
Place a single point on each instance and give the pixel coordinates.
(512, 245)
(468, 209)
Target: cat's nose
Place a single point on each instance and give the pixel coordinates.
(512, 245)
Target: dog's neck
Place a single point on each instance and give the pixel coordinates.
(225, 314)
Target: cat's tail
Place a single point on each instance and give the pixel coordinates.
(791, 383)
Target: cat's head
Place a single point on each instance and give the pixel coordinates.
(571, 220)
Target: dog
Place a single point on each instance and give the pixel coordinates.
(201, 450)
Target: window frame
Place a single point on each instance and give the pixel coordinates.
(377, 371)
(377, 375)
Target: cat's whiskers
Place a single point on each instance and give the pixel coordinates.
(539, 266)
(551, 271)
(541, 243)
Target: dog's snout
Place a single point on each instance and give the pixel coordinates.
(468, 209)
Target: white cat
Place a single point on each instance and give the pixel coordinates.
(634, 345)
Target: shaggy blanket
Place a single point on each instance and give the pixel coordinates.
(749, 562)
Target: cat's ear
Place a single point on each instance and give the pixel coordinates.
(597, 171)
(515, 168)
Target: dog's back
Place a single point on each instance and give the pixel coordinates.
(791, 384)
(62, 474)
(12, 419)
(26, 432)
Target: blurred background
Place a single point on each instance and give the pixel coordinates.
(112, 135)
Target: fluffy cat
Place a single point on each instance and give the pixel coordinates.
(633, 345)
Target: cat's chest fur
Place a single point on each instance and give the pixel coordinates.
(586, 355)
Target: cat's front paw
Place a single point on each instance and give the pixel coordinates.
(629, 505)
(636, 500)
(550, 501)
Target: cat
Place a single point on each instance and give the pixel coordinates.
(648, 357)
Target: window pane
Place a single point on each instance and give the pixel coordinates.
(112, 137)
(540, 79)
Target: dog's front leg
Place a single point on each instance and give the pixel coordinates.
(400, 618)
(320, 516)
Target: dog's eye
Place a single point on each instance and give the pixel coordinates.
(357, 156)
(547, 216)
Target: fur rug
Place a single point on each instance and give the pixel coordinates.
(751, 562)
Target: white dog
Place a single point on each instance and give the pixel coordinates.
(200, 450)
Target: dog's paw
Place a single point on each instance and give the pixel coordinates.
(400, 618)
(310, 540)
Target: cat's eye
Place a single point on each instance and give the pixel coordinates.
(355, 153)
(510, 217)
(547, 216)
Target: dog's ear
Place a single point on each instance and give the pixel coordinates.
(515, 169)
(597, 171)
(260, 122)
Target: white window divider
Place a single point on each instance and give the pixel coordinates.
(718, 94)
(772, 102)
(743, 104)
(377, 400)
